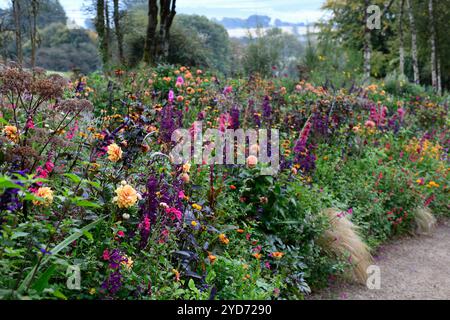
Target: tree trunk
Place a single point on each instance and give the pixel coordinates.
(107, 29)
(439, 76)
(18, 30)
(33, 30)
(100, 28)
(413, 43)
(171, 12)
(434, 81)
(150, 39)
(118, 29)
(367, 45)
(402, 44)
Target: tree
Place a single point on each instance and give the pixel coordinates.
(206, 42)
(413, 42)
(18, 30)
(150, 39)
(275, 52)
(402, 40)
(167, 14)
(107, 31)
(6, 32)
(101, 31)
(157, 48)
(350, 22)
(433, 61)
(33, 30)
(64, 49)
(118, 31)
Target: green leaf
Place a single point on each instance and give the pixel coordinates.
(59, 294)
(93, 183)
(73, 177)
(32, 196)
(88, 235)
(42, 282)
(62, 245)
(85, 203)
(191, 285)
(8, 184)
(19, 235)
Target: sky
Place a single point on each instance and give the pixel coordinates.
(286, 10)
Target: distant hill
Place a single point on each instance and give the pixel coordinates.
(255, 21)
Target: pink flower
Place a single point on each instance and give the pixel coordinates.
(49, 166)
(370, 124)
(180, 81)
(401, 113)
(145, 224)
(29, 124)
(224, 121)
(72, 131)
(121, 234)
(171, 96)
(164, 236)
(228, 90)
(106, 255)
(174, 213)
(181, 195)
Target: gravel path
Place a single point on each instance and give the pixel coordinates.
(411, 269)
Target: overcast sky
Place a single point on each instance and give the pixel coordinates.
(286, 10)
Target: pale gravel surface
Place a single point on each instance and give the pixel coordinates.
(411, 269)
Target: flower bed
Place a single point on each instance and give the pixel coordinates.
(87, 181)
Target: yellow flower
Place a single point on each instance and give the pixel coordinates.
(128, 263)
(186, 167)
(126, 196)
(223, 238)
(92, 291)
(114, 152)
(194, 223)
(197, 207)
(432, 184)
(11, 133)
(177, 274)
(46, 194)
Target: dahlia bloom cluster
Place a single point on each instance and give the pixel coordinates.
(127, 196)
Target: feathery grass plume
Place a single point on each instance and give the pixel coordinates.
(343, 240)
(425, 221)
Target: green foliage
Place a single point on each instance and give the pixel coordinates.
(271, 53)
